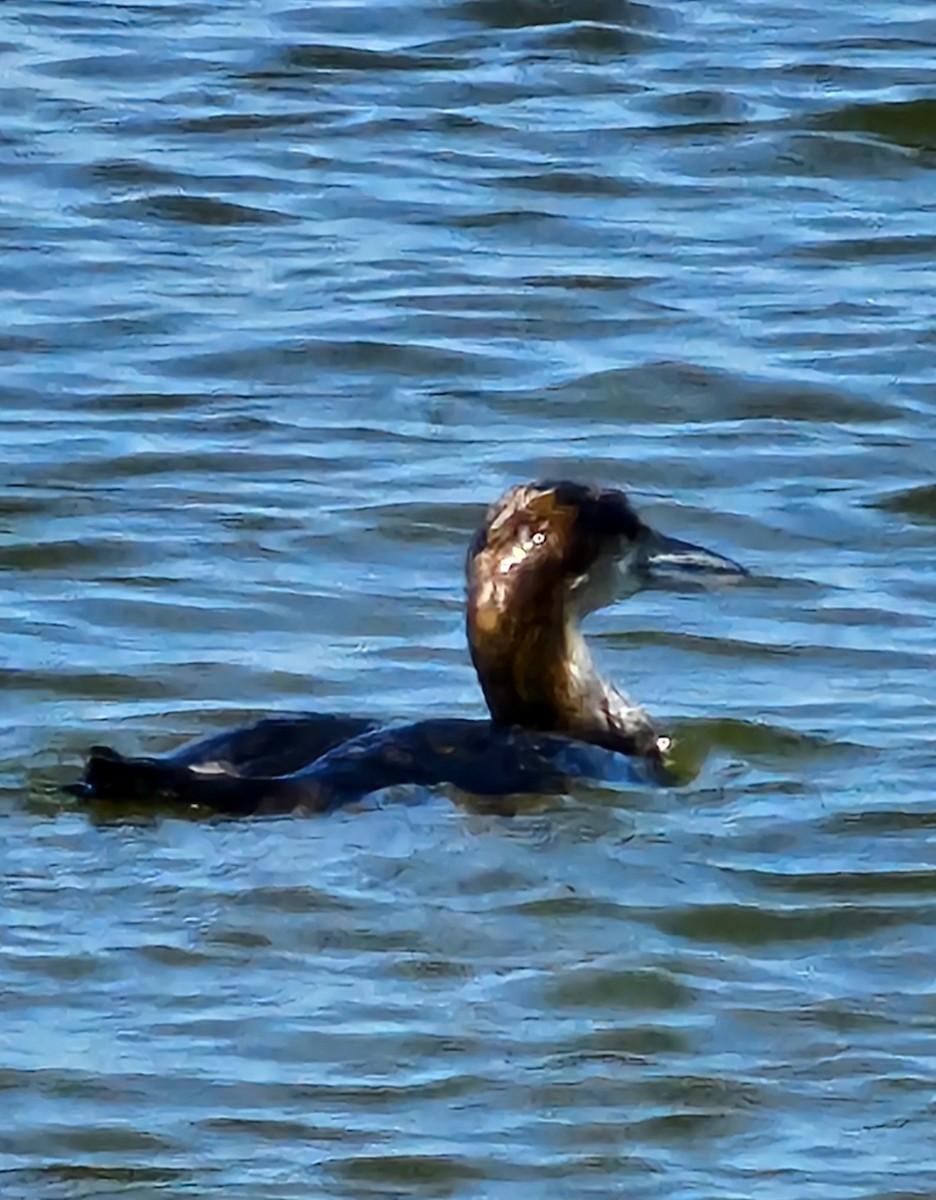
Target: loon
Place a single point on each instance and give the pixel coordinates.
(546, 554)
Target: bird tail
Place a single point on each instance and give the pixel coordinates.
(113, 777)
(110, 775)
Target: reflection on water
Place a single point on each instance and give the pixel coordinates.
(290, 293)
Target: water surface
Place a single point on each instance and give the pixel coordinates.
(288, 294)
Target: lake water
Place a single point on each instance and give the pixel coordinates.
(288, 293)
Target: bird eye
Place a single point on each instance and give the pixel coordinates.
(538, 538)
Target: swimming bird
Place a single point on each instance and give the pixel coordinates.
(546, 554)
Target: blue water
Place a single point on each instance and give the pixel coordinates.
(288, 294)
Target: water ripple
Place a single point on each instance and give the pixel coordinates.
(290, 292)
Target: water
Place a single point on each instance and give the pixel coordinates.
(289, 292)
